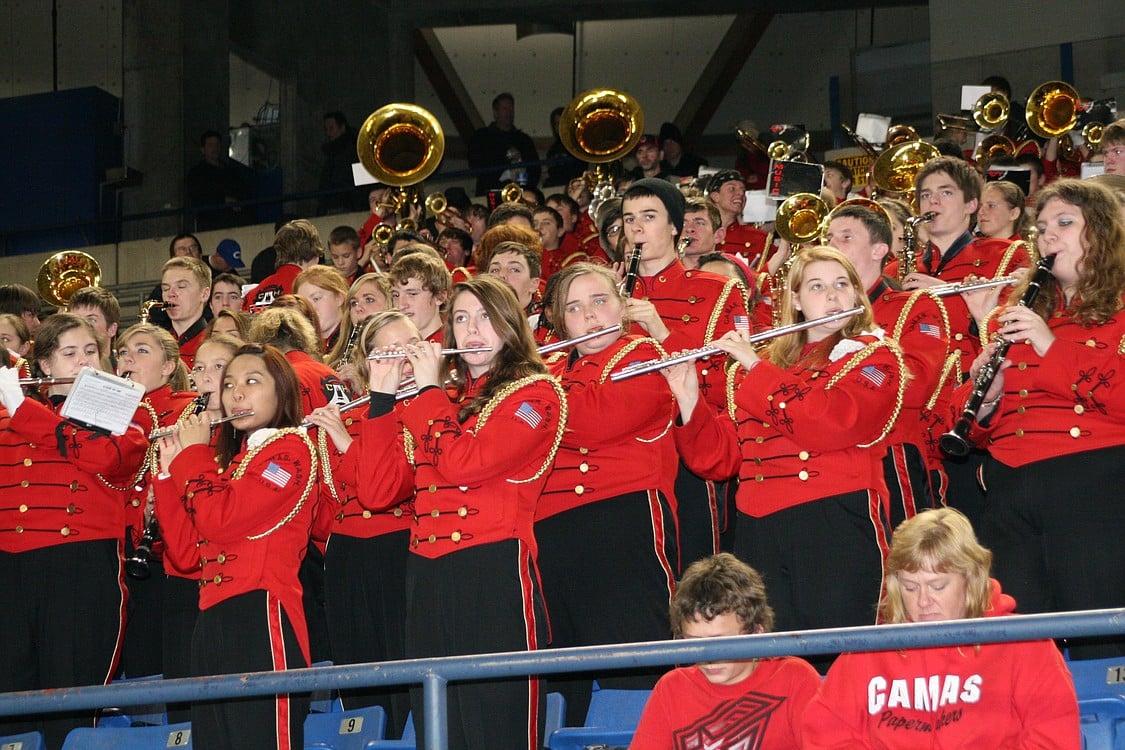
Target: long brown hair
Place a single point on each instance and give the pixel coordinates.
(786, 350)
(286, 388)
(47, 338)
(518, 356)
(1101, 276)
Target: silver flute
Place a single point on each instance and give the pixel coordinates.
(444, 352)
(556, 346)
(948, 290)
(652, 365)
(169, 431)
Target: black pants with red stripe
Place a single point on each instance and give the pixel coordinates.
(822, 561)
(908, 480)
(365, 583)
(181, 609)
(61, 625)
(247, 633)
(475, 601)
(608, 573)
(1055, 528)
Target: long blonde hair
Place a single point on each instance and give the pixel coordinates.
(786, 350)
(179, 377)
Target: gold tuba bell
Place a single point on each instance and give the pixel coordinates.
(1052, 109)
(799, 218)
(65, 273)
(894, 170)
(598, 127)
(400, 144)
(994, 146)
(991, 111)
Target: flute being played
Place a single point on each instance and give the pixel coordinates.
(947, 290)
(641, 368)
(167, 431)
(37, 382)
(556, 346)
(444, 352)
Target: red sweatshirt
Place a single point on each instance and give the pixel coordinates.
(993, 696)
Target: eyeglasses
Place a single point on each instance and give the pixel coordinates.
(613, 230)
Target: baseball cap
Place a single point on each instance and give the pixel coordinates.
(231, 252)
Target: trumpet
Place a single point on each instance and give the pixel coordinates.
(169, 431)
(44, 382)
(948, 290)
(641, 368)
(444, 352)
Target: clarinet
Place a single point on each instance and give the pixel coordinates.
(634, 271)
(956, 441)
(138, 564)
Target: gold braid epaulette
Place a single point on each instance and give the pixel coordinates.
(554, 357)
(324, 459)
(615, 360)
(511, 388)
(309, 483)
(731, 367)
(1121, 346)
(1011, 252)
(717, 310)
(150, 460)
(985, 323)
(855, 360)
(951, 358)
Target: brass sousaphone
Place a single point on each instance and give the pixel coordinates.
(1052, 109)
(599, 127)
(894, 170)
(400, 145)
(65, 273)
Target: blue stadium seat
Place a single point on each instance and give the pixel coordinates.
(1098, 678)
(406, 742)
(325, 701)
(26, 741)
(345, 730)
(151, 714)
(611, 720)
(130, 738)
(1103, 723)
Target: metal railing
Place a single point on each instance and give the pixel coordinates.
(435, 674)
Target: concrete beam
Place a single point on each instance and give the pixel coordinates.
(447, 83)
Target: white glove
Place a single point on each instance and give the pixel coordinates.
(11, 393)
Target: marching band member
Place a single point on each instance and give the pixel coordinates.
(369, 294)
(682, 309)
(14, 337)
(919, 323)
(295, 336)
(298, 247)
(325, 289)
(603, 488)
(1052, 416)
(727, 190)
(478, 461)
(365, 560)
(804, 432)
(148, 355)
(62, 513)
(1000, 695)
(251, 507)
(1001, 214)
(185, 284)
(420, 286)
(519, 265)
(233, 323)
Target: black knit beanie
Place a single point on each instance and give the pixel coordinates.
(668, 194)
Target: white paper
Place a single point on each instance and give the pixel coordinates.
(759, 208)
(360, 175)
(970, 94)
(102, 400)
(872, 127)
(1092, 169)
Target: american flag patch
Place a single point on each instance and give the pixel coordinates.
(874, 374)
(741, 323)
(527, 413)
(277, 475)
(930, 330)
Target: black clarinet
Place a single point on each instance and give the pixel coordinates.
(956, 441)
(634, 271)
(138, 565)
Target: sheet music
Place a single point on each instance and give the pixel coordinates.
(102, 400)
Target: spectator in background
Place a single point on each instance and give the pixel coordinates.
(838, 179)
(227, 257)
(336, 173)
(562, 173)
(500, 145)
(215, 181)
(676, 161)
(649, 159)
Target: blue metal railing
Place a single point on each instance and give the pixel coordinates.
(434, 674)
